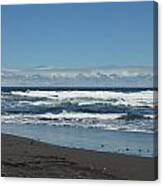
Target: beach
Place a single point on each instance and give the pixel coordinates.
(23, 157)
(79, 91)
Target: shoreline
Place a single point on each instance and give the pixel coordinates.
(23, 157)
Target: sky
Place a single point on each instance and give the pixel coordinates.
(94, 45)
(67, 36)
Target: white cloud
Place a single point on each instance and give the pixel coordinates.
(102, 77)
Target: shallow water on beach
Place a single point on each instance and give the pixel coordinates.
(139, 144)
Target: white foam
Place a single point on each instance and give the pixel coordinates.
(37, 94)
(81, 120)
(36, 103)
(64, 116)
(142, 98)
(149, 116)
(79, 116)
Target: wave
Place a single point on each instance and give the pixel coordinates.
(79, 116)
(99, 121)
(142, 98)
(36, 103)
(71, 116)
(107, 110)
(137, 116)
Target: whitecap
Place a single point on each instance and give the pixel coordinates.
(142, 98)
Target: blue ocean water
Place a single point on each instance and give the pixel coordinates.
(122, 120)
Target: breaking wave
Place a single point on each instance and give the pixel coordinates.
(142, 98)
(130, 111)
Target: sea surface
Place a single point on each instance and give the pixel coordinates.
(121, 120)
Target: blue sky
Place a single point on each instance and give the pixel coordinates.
(77, 35)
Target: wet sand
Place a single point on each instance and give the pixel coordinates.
(22, 157)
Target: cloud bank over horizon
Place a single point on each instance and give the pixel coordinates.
(92, 77)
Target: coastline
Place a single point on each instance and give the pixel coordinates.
(23, 157)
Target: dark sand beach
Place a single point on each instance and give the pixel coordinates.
(22, 157)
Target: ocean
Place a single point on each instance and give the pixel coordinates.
(121, 120)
